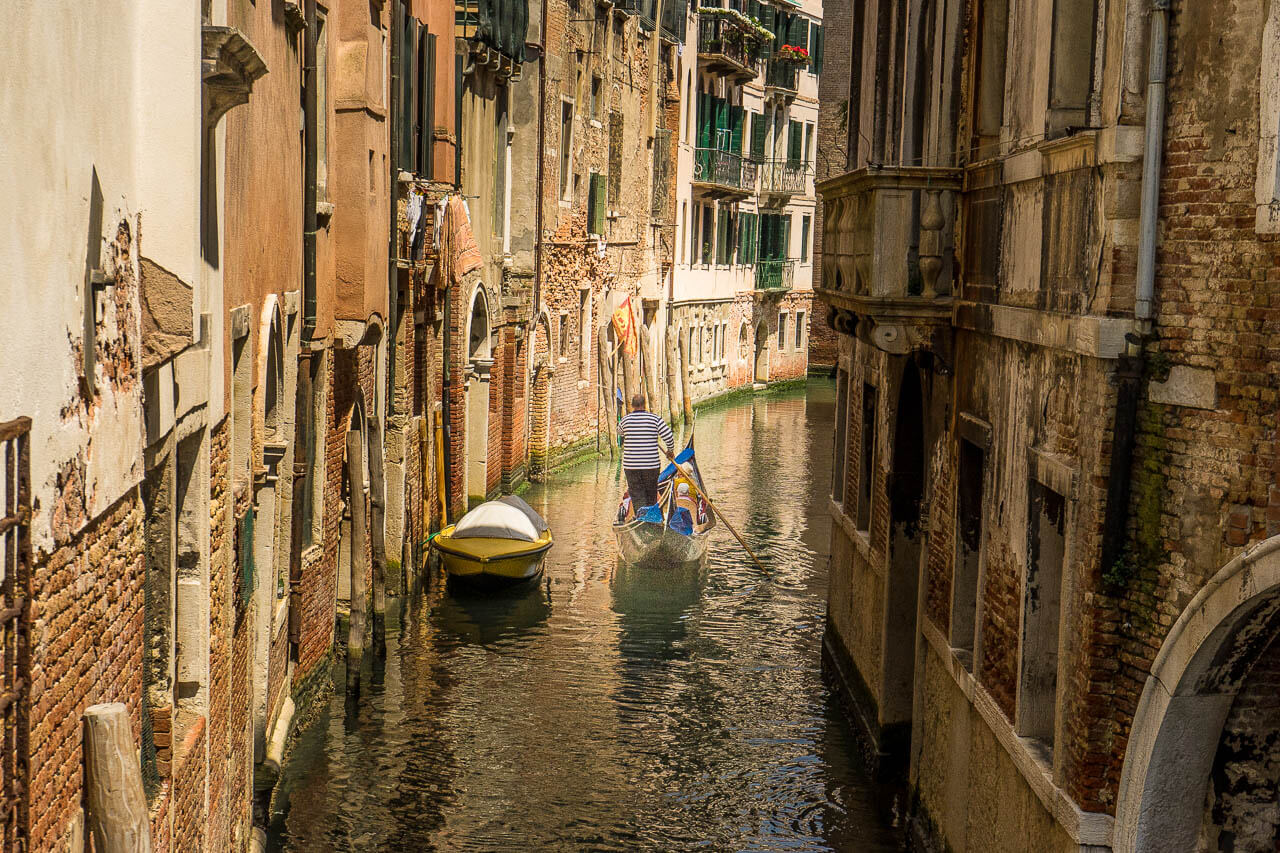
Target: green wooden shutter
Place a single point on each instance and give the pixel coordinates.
(758, 129)
(795, 142)
(722, 123)
(706, 120)
(798, 32)
(595, 203)
(815, 49)
(735, 143)
(407, 100)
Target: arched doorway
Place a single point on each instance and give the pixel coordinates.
(906, 545)
(270, 542)
(479, 365)
(761, 373)
(1199, 764)
(540, 398)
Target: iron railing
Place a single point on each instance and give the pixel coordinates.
(783, 177)
(15, 649)
(723, 169)
(782, 76)
(724, 45)
(775, 273)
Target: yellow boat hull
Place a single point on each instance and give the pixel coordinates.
(492, 560)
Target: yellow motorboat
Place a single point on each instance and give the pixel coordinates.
(498, 542)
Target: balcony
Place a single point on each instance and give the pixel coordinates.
(726, 49)
(781, 79)
(674, 13)
(780, 179)
(887, 250)
(775, 274)
(723, 174)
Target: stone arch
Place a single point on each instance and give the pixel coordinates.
(479, 362)
(1205, 659)
(350, 492)
(543, 367)
(271, 499)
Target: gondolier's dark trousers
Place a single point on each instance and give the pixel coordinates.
(643, 484)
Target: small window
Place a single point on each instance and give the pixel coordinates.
(838, 474)
(867, 456)
(782, 331)
(566, 147)
(805, 224)
(564, 334)
(968, 543)
(1042, 593)
(684, 224)
(800, 329)
(708, 235)
(584, 331)
(597, 97)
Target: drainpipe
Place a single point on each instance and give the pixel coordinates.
(447, 374)
(541, 188)
(393, 271)
(309, 172)
(1130, 369)
(303, 438)
(1153, 150)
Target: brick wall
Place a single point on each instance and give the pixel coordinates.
(220, 615)
(86, 648)
(189, 818)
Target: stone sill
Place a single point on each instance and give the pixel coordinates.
(1093, 829)
(861, 539)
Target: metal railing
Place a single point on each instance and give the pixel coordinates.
(15, 650)
(775, 273)
(783, 177)
(722, 168)
(723, 39)
(782, 76)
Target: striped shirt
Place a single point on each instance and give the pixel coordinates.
(640, 432)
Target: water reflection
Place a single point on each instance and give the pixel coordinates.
(611, 707)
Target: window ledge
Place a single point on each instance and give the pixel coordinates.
(595, 122)
(1084, 828)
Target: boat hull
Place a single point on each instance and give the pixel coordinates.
(493, 562)
(650, 543)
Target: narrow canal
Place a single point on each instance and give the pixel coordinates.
(611, 708)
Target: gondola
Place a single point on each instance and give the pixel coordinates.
(673, 531)
(498, 543)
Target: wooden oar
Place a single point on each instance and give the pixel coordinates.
(693, 484)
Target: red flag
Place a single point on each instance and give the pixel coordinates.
(624, 323)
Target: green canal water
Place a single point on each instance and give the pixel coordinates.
(611, 708)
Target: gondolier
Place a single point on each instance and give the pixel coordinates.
(640, 431)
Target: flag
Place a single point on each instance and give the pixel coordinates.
(624, 322)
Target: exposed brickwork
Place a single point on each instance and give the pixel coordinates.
(189, 820)
(86, 648)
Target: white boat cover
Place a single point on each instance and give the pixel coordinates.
(496, 520)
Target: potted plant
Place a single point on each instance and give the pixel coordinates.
(793, 54)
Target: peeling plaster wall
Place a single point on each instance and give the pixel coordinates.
(74, 125)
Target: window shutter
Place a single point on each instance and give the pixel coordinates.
(595, 204)
(757, 136)
(706, 119)
(816, 43)
(798, 33)
(795, 142)
(784, 247)
(406, 120)
(735, 143)
(426, 103)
